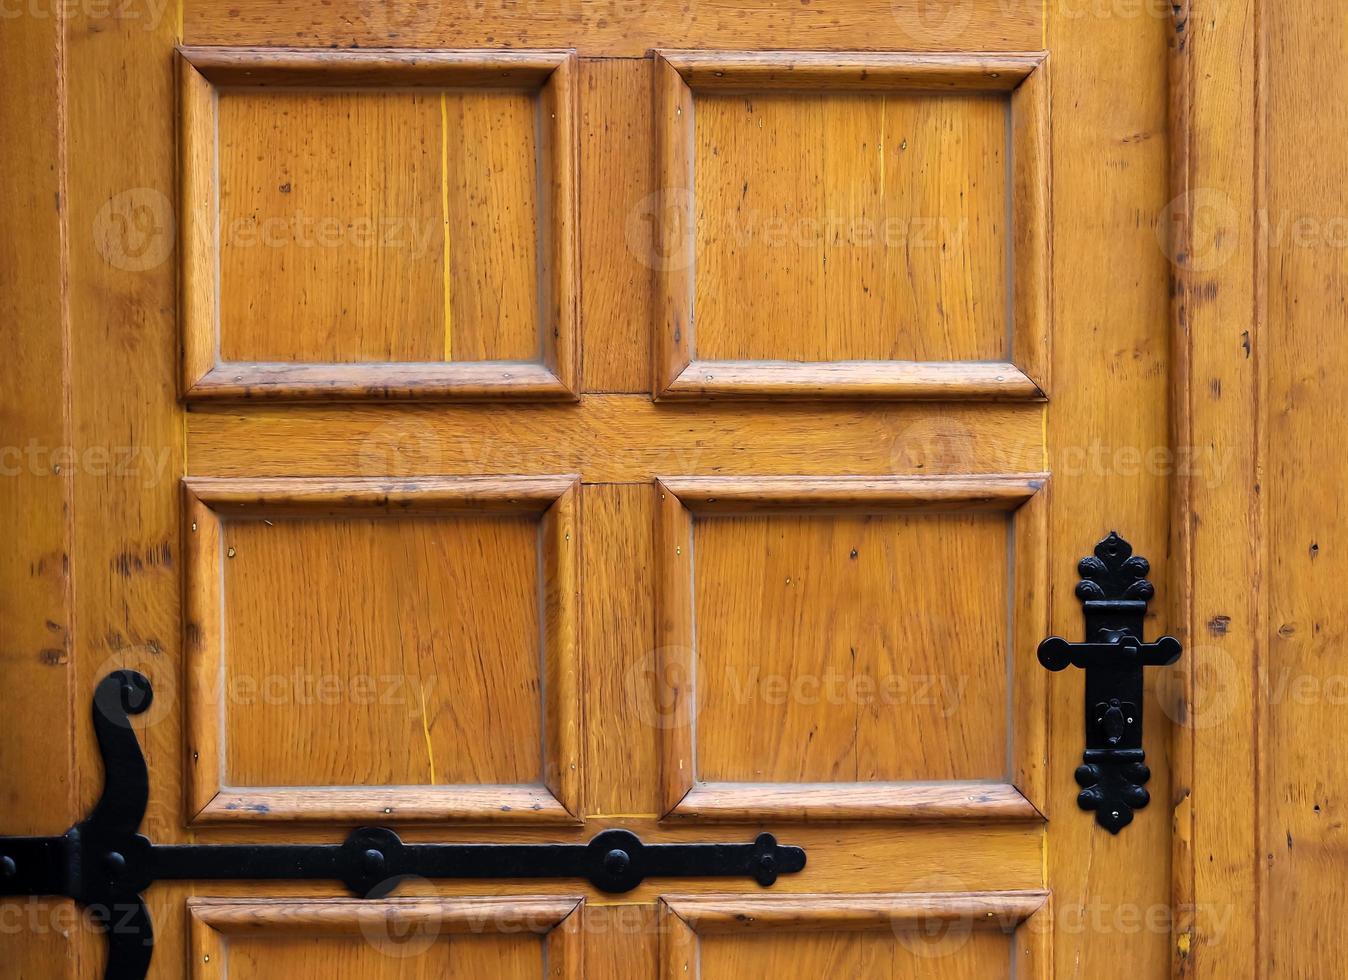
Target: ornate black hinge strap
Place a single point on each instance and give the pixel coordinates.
(1114, 592)
(104, 863)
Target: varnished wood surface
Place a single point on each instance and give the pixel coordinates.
(266, 66)
(36, 604)
(738, 740)
(844, 858)
(417, 938)
(789, 170)
(1301, 656)
(1108, 94)
(716, 914)
(367, 214)
(400, 575)
(599, 27)
(616, 439)
(879, 936)
(98, 340)
(851, 71)
(1223, 344)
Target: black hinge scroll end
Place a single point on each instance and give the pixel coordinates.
(1114, 593)
(104, 863)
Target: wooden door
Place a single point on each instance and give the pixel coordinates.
(506, 421)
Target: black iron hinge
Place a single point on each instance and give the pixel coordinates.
(1114, 593)
(104, 863)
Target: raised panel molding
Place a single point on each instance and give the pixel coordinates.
(349, 513)
(957, 930)
(1018, 372)
(527, 271)
(1022, 561)
(398, 928)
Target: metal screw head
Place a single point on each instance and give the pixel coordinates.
(616, 861)
(8, 869)
(373, 861)
(114, 863)
(767, 862)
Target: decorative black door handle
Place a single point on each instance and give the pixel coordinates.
(104, 863)
(1114, 592)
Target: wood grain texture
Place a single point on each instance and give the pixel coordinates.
(419, 623)
(38, 744)
(947, 801)
(618, 222)
(965, 935)
(874, 223)
(418, 938)
(119, 274)
(852, 670)
(917, 380)
(1301, 659)
(856, 858)
(332, 199)
(621, 761)
(617, 439)
(709, 915)
(871, 226)
(1110, 349)
(1112, 381)
(240, 65)
(748, 740)
(454, 278)
(854, 71)
(597, 27)
(1223, 352)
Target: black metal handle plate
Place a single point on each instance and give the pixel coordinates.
(1114, 593)
(104, 863)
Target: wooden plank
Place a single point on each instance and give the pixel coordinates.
(622, 940)
(1111, 388)
(597, 27)
(37, 466)
(1301, 658)
(619, 222)
(1223, 352)
(617, 439)
(124, 358)
(621, 700)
